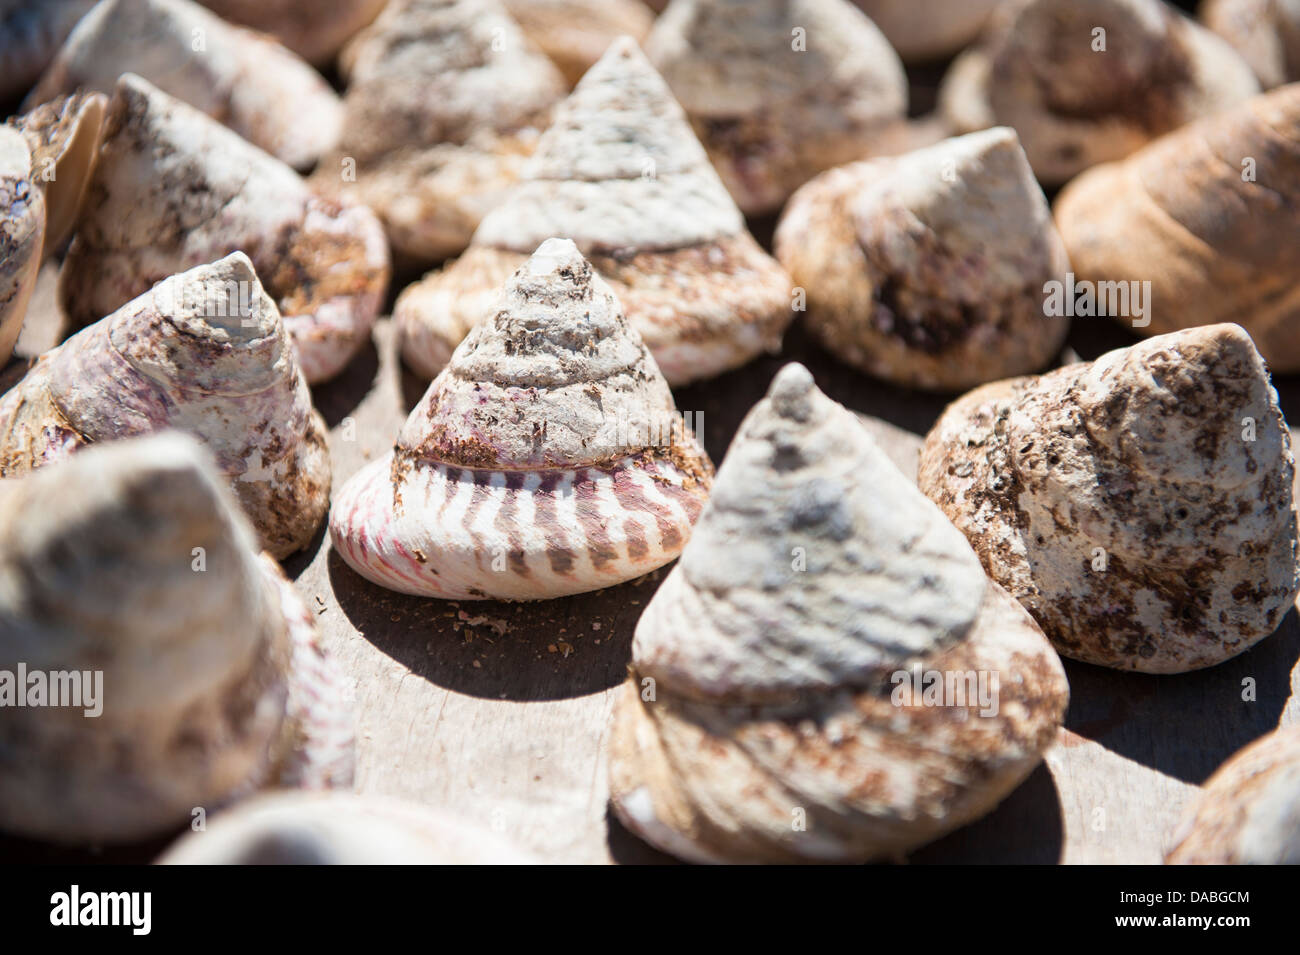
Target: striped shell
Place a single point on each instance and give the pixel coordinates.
(446, 100)
(760, 722)
(544, 460)
(22, 235)
(1139, 506)
(928, 270)
(132, 562)
(173, 188)
(778, 91)
(1205, 216)
(1089, 81)
(334, 828)
(242, 78)
(203, 352)
(621, 174)
(1248, 812)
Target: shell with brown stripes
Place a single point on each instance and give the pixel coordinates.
(546, 459)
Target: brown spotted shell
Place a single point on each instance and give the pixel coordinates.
(173, 188)
(205, 352)
(546, 459)
(130, 566)
(1139, 506)
(762, 719)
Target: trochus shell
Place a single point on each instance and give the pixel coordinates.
(546, 459)
(173, 188)
(760, 686)
(203, 352)
(930, 270)
(621, 174)
(1139, 506)
(130, 561)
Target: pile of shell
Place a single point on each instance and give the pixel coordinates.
(224, 224)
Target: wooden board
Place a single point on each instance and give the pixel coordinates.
(500, 712)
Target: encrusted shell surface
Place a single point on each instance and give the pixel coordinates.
(576, 33)
(545, 460)
(621, 174)
(446, 99)
(929, 270)
(1248, 812)
(30, 34)
(1265, 32)
(63, 135)
(1139, 506)
(204, 352)
(762, 682)
(314, 29)
(242, 78)
(778, 91)
(173, 188)
(306, 828)
(1039, 69)
(1208, 216)
(931, 30)
(213, 683)
(22, 235)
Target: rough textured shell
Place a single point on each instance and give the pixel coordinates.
(620, 173)
(576, 33)
(761, 690)
(248, 81)
(1208, 216)
(544, 460)
(931, 30)
(204, 352)
(213, 684)
(22, 235)
(1248, 812)
(928, 270)
(340, 829)
(778, 91)
(315, 30)
(1129, 503)
(1266, 33)
(1074, 106)
(30, 34)
(446, 100)
(173, 188)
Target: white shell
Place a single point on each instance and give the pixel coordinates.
(761, 677)
(544, 460)
(22, 236)
(131, 561)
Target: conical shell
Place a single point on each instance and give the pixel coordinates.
(204, 352)
(928, 31)
(621, 174)
(130, 566)
(1266, 33)
(1208, 217)
(1249, 811)
(929, 270)
(576, 33)
(546, 459)
(304, 828)
(173, 188)
(242, 78)
(63, 135)
(766, 670)
(31, 32)
(1139, 506)
(1040, 68)
(777, 90)
(314, 29)
(446, 101)
(22, 235)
